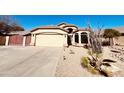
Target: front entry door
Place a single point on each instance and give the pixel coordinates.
(69, 40)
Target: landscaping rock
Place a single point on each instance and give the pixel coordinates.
(72, 52)
(109, 70)
(109, 60)
(115, 51)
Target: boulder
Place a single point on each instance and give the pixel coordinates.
(109, 70)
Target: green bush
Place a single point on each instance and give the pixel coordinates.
(85, 61)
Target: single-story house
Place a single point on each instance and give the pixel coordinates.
(60, 35)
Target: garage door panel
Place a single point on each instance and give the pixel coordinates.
(49, 40)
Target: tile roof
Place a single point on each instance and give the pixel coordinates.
(49, 27)
(19, 32)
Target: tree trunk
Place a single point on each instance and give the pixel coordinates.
(111, 41)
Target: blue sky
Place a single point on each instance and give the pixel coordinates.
(32, 21)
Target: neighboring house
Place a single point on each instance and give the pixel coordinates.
(120, 39)
(61, 35)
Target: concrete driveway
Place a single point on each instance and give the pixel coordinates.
(29, 61)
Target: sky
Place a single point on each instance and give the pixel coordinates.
(32, 21)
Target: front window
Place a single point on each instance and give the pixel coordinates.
(84, 38)
(76, 38)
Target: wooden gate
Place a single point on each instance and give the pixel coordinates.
(28, 40)
(2, 40)
(16, 40)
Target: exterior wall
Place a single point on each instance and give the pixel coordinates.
(33, 39)
(64, 37)
(119, 40)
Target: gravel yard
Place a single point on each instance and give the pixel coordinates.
(115, 56)
(71, 66)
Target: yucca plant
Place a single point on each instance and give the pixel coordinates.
(86, 63)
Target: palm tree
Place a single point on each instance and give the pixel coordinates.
(111, 33)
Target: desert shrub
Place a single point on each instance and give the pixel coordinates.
(98, 55)
(105, 43)
(94, 55)
(85, 61)
(90, 52)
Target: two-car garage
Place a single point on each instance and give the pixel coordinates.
(49, 36)
(49, 40)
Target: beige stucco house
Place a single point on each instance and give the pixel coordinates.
(58, 36)
(61, 35)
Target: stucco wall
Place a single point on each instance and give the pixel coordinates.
(119, 40)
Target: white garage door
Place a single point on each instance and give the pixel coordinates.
(49, 40)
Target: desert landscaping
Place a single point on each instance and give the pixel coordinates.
(61, 49)
(66, 62)
(70, 63)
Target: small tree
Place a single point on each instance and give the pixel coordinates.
(94, 40)
(7, 24)
(111, 33)
(4, 28)
(16, 27)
